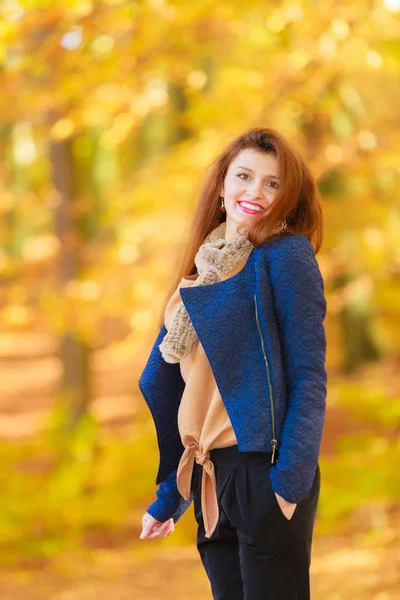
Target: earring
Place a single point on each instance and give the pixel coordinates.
(284, 225)
(222, 206)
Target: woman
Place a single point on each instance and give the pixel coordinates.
(236, 379)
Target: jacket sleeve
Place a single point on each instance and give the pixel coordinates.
(300, 306)
(162, 385)
(169, 501)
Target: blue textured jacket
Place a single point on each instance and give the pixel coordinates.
(262, 331)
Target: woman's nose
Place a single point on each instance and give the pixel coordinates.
(254, 190)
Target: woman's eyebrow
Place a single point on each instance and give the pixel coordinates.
(247, 169)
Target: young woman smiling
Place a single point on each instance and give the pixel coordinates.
(236, 379)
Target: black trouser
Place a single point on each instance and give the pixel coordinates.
(255, 552)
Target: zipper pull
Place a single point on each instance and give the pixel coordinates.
(274, 444)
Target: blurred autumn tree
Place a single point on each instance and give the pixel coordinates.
(111, 112)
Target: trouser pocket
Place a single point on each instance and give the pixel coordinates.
(251, 504)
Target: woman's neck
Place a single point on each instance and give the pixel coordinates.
(231, 229)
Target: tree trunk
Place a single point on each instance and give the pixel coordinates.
(74, 353)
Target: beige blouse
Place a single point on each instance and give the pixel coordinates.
(203, 421)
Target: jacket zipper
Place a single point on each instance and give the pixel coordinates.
(274, 441)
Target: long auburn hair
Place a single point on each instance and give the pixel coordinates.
(297, 199)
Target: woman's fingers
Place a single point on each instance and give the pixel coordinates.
(165, 528)
(147, 525)
(150, 525)
(286, 507)
(170, 528)
(153, 529)
(157, 533)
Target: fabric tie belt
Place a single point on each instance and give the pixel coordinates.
(209, 500)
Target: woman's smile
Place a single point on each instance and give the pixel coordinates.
(249, 207)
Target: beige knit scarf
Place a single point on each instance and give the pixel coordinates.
(215, 258)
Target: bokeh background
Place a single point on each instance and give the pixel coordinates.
(110, 113)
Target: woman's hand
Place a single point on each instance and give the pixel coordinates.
(153, 529)
(286, 507)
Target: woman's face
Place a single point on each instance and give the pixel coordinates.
(250, 186)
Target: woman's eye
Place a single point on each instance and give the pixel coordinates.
(244, 175)
(276, 186)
